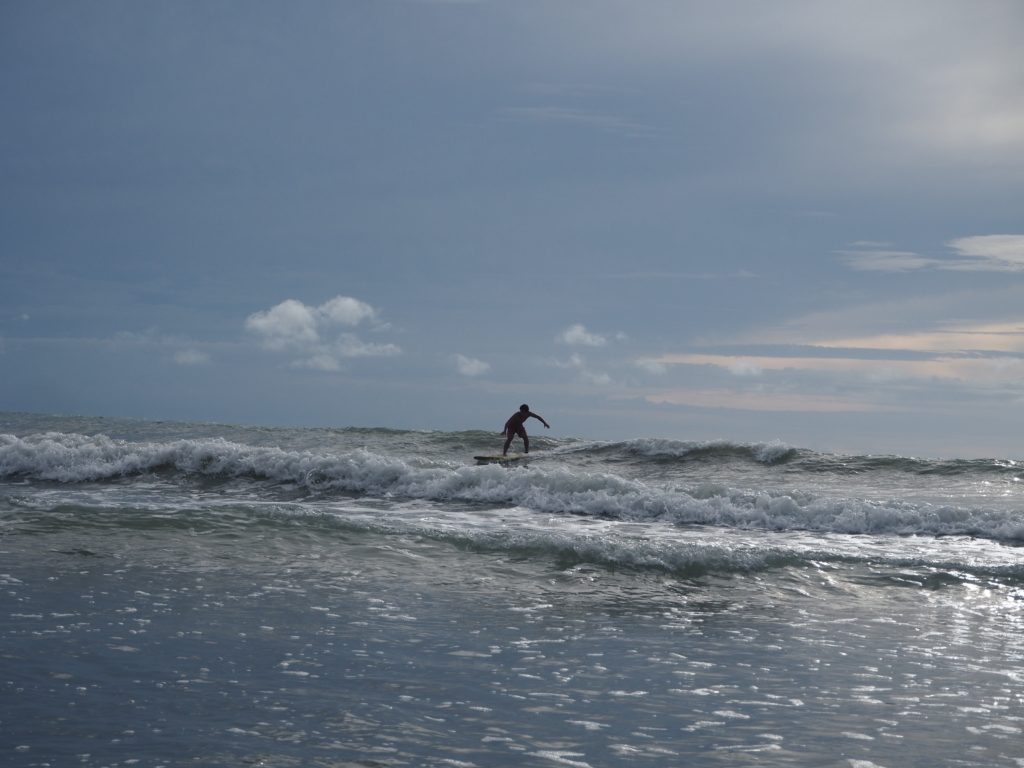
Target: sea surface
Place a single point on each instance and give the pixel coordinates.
(180, 594)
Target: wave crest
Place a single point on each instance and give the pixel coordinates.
(73, 458)
(660, 449)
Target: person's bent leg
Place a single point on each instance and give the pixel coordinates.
(526, 444)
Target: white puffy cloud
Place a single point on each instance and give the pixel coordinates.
(350, 345)
(289, 324)
(578, 334)
(470, 366)
(311, 333)
(320, 361)
(346, 310)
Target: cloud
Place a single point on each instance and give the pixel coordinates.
(596, 378)
(319, 361)
(973, 357)
(578, 335)
(312, 335)
(745, 367)
(886, 261)
(182, 351)
(577, 363)
(899, 370)
(648, 365)
(924, 104)
(953, 367)
(997, 252)
(289, 324)
(470, 366)
(1003, 337)
(191, 357)
(979, 253)
(350, 345)
(346, 311)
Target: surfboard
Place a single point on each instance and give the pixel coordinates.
(499, 459)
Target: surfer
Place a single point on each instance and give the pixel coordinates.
(514, 426)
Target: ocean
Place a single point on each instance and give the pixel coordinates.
(177, 594)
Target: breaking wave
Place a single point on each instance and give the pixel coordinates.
(74, 458)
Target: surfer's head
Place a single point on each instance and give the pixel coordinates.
(524, 408)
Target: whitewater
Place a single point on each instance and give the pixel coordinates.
(204, 594)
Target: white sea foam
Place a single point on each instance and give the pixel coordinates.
(73, 458)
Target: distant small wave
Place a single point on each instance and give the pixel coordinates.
(700, 556)
(839, 464)
(776, 452)
(659, 449)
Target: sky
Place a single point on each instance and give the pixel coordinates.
(744, 220)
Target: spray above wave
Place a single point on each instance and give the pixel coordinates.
(72, 458)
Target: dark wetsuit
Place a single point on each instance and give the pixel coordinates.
(514, 427)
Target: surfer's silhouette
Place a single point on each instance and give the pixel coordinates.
(514, 426)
